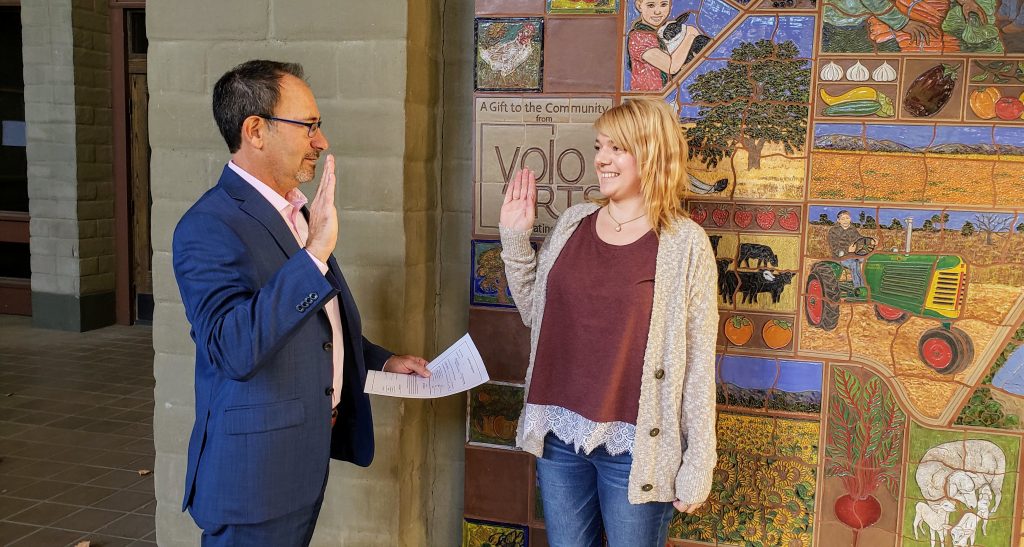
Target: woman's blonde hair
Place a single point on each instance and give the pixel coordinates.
(649, 130)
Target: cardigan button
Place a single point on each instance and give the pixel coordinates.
(647, 487)
(655, 431)
(328, 346)
(659, 374)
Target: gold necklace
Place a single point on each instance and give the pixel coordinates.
(619, 227)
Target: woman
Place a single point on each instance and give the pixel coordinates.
(621, 302)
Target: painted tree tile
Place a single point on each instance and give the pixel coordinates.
(795, 28)
(761, 144)
(798, 29)
(481, 533)
(489, 286)
(509, 54)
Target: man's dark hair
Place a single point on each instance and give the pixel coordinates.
(843, 212)
(250, 89)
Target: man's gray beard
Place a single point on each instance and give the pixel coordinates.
(304, 176)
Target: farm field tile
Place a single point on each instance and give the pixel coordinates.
(990, 302)
(779, 178)
(959, 181)
(893, 178)
(835, 175)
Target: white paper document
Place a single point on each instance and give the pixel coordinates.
(457, 369)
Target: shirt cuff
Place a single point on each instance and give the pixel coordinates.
(319, 264)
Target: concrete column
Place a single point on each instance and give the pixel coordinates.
(70, 179)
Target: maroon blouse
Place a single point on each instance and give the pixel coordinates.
(590, 354)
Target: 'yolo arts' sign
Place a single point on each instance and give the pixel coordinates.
(553, 137)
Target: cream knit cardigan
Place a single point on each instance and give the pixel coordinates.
(674, 452)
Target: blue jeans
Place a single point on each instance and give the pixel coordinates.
(580, 491)
(853, 264)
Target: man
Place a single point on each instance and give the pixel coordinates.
(279, 352)
(842, 242)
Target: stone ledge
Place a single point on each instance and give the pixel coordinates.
(72, 313)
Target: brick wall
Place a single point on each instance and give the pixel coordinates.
(51, 147)
(67, 111)
(94, 136)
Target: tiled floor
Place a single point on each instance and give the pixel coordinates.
(76, 415)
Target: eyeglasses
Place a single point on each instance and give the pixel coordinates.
(312, 127)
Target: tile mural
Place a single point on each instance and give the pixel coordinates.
(763, 486)
(493, 412)
(509, 54)
(858, 166)
(479, 533)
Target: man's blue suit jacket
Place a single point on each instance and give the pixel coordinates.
(262, 438)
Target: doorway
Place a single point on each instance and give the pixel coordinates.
(131, 163)
(15, 263)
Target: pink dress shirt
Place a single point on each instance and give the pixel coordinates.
(290, 210)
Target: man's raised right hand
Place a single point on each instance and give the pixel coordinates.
(323, 217)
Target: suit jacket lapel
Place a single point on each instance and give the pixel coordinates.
(256, 206)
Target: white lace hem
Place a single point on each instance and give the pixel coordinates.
(577, 431)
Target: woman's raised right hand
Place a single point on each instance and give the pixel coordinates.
(519, 210)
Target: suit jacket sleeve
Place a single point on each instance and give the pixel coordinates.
(237, 322)
(375, 356)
